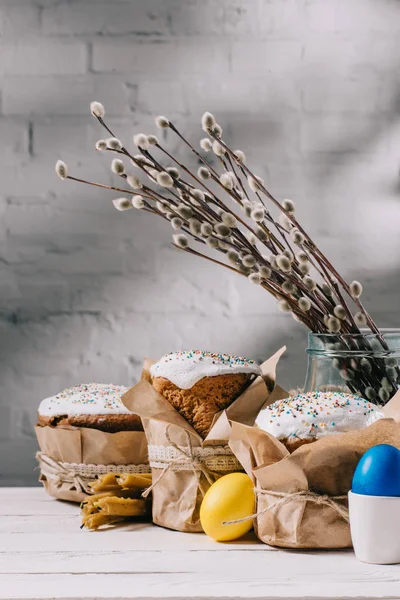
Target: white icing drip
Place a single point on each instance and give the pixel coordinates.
(86, 399)
(316, 414)
(184, 369)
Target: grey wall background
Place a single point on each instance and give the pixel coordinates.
(309, 89)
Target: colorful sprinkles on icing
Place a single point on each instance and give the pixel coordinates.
(315, 414)
(86, 398)
(186, 367)
(199, 355)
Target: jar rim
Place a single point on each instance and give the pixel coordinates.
(364, 332)
(329, 344)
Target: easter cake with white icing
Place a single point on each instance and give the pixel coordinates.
(305, 418)
(94, 405)
(200, 384)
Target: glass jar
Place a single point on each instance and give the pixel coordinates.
(365, 364)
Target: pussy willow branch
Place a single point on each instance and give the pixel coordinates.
(243, 168)
(283, 273)
(212, 194)
(319, 256)
(278, 293)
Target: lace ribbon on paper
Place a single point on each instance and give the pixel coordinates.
(210, 462)
(81, 474)
(306, 495)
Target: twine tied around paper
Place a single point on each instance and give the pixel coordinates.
(284, 498)
(80, 474)
(187, 459)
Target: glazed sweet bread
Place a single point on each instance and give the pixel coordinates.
(93, 405)
(305, 418)
(200, 384)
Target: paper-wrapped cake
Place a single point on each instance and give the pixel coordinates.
(86, 431)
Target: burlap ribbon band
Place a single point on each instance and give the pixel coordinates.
(80, 474)
(211, 462)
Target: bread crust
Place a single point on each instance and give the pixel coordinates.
(107, 423)
(200, 403)
(293, 444)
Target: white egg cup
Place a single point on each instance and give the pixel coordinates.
(375, 528)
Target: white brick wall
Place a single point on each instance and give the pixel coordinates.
(308, 88)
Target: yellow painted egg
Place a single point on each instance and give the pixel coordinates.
(230, 498)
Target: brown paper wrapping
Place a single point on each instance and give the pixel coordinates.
(177, 495)
(84, 445)
(324, 468)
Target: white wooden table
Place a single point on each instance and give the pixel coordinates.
(44, 554)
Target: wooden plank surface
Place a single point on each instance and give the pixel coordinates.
(44, 554)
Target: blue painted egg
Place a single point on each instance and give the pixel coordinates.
(378, 472)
